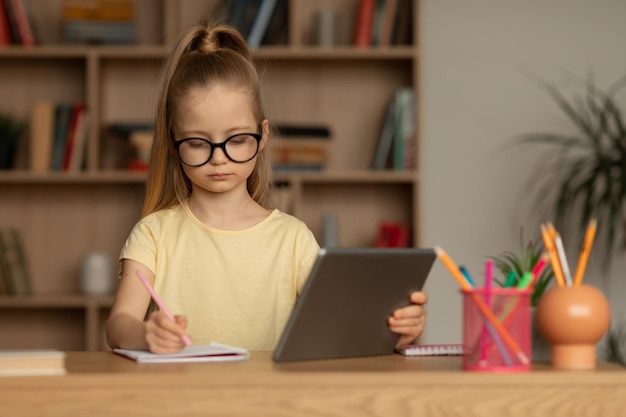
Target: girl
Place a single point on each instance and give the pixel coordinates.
(214, 252)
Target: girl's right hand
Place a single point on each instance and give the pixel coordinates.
(163, 335)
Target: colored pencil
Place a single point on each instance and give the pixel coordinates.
(160, 303)
(584, 253)
(554, 259)
(560, 250)
(488, 283)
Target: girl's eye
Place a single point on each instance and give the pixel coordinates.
(197, 143)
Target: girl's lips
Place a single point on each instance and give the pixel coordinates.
(219, 176)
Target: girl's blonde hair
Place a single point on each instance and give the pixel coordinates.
(206, 55)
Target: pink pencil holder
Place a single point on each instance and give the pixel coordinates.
(497, 343)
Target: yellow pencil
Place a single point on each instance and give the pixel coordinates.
(554, 258)
(584, 252)
(456, 273)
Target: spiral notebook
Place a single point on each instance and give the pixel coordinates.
(433, 350)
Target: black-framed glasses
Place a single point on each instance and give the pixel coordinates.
(240, 148)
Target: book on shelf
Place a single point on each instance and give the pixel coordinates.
(32, 362)
(277, 32)
(395, 147)
(98, 32)
(303, 130)
(213, 352)
(301, 151)
(62, 127)
(388, 19)
(363, 23)
(5, 28)
(13, 262)
(402, 31)
(75, 152)
(382, 153)
(41, 135)
(115, 10)
(377, 22)
(241, 14)
(20, 23)
(383, 23)
(404, 137)
(77, 112)
(260, 23)
(4, 284)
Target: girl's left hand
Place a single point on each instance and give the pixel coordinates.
(409, 321)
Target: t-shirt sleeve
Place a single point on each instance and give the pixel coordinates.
(308, 248)
(141, 244)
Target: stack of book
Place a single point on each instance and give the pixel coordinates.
(32, 362)
(98, 21)
(58, 136)
(301, 148)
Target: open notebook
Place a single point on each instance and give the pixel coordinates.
(213, 352)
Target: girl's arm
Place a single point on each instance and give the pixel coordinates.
(126, 327)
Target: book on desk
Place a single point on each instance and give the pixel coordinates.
(32, 362)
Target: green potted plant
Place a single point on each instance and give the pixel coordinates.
(523, 261)
(11, 130)
(585, 176)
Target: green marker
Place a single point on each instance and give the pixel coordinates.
(525, 281)
(510, 279)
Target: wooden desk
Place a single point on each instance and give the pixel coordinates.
(104, 384)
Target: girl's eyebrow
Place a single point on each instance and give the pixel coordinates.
(228, 132)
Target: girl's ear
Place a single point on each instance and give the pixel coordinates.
(265, 131)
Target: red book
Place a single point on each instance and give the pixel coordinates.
(5, 29)
(71, 135)
(23, 24)
(363, 23)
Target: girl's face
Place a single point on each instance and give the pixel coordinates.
(216, 114)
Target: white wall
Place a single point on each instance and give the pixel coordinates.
(476, 95)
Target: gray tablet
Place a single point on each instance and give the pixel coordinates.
(347, 299)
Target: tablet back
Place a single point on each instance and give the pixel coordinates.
(347, 299)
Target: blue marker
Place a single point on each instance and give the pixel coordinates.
(467, 276)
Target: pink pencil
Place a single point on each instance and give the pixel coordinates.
(488, 281)
(160, 303)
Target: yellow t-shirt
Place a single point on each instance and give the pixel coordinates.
(235, 287)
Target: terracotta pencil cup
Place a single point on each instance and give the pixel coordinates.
(573, 320)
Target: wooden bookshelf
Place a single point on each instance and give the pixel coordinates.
(63, 216)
